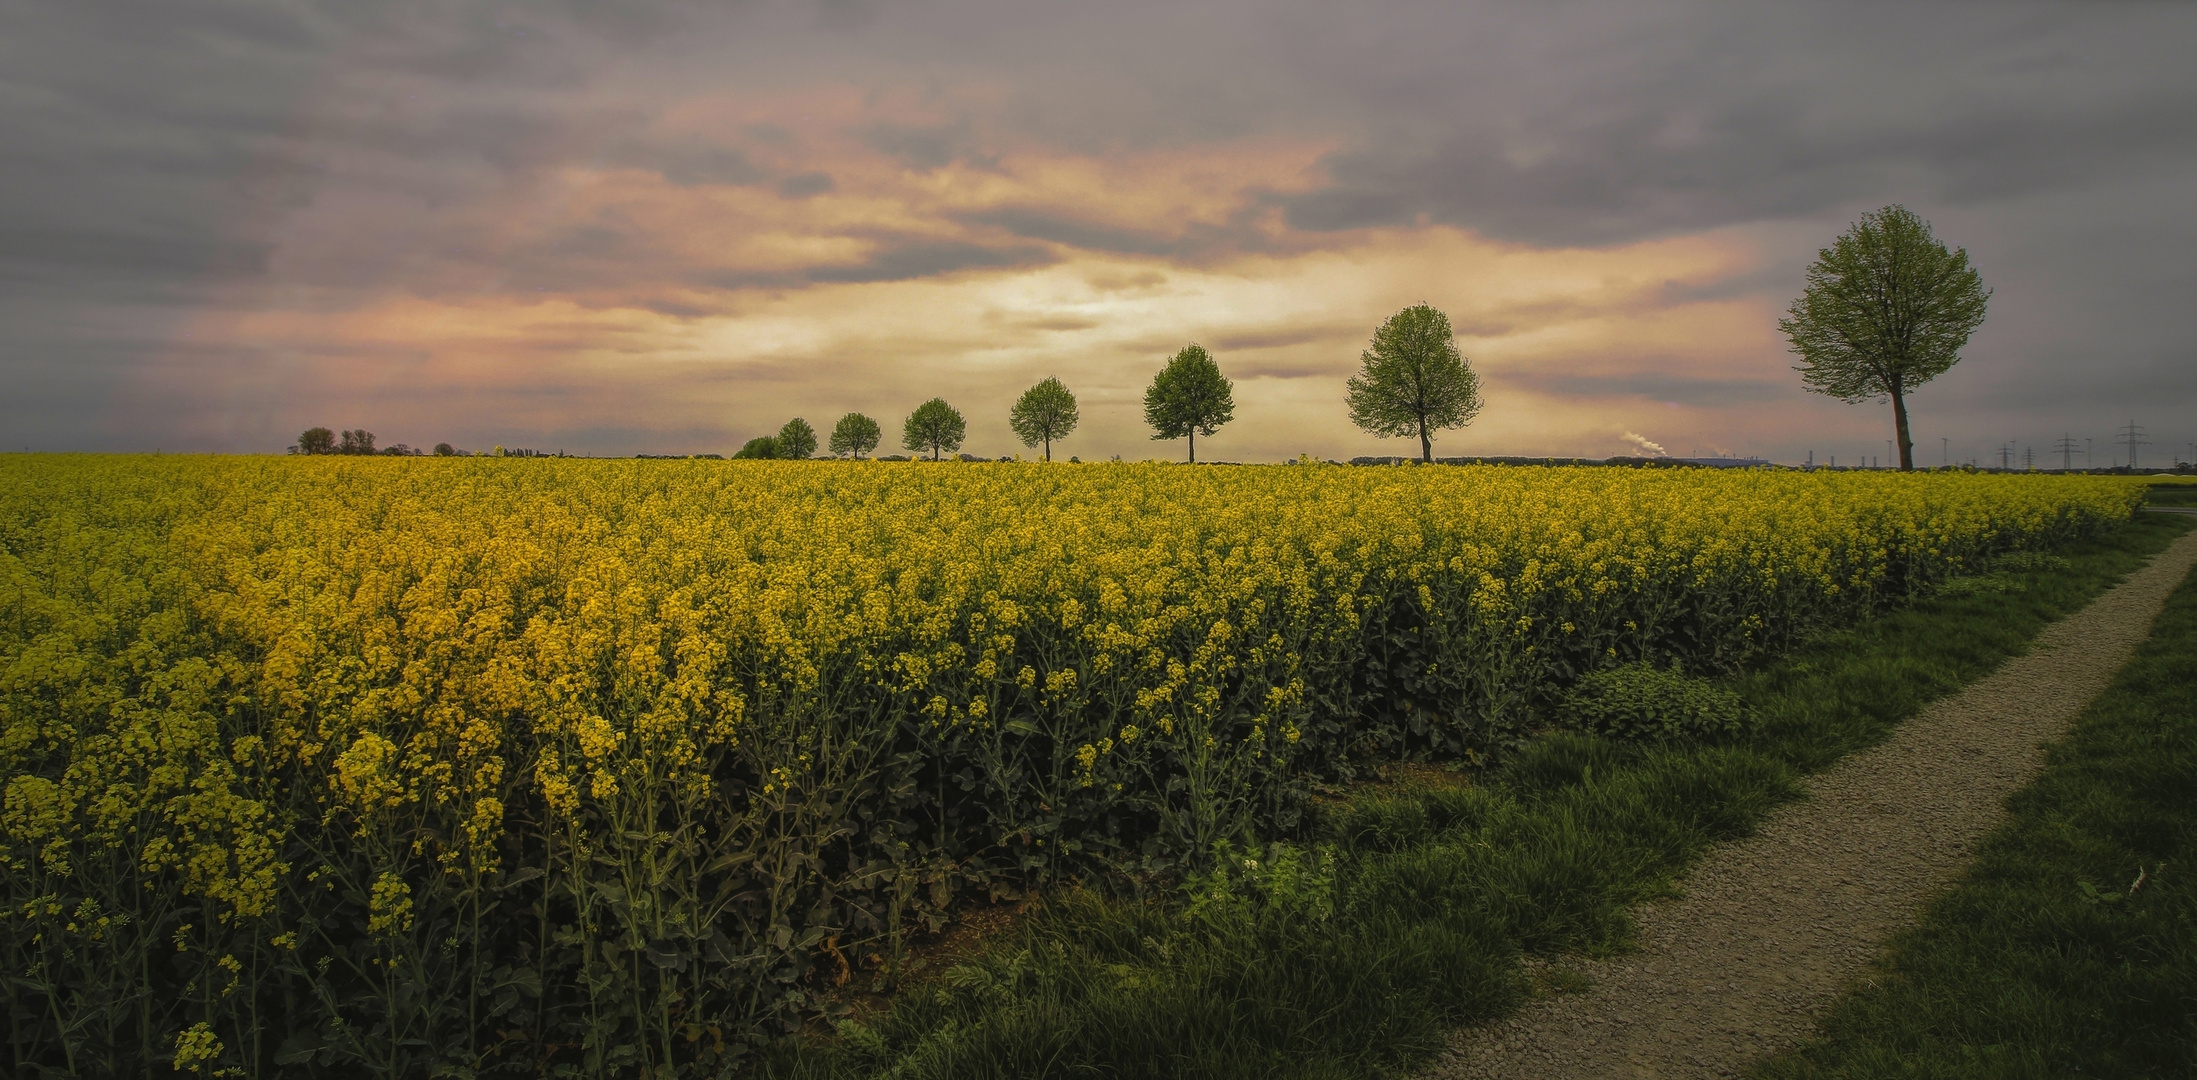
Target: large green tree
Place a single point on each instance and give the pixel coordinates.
(855, 434)
(1412, 380)
(797, 440)
(1045, 412)
(1189, 397)
(934, 426)
(1887, 308)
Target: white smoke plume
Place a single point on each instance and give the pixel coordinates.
(1653, 449)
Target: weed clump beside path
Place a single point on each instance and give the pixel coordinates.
(1404, 910)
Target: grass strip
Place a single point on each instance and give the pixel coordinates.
(1350, 951)
(2070, 947)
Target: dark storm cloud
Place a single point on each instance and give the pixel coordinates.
(159, 144)
(900, 260)
(1609, 178)
(691, 164)
(129, 170)
(1577, 123)
(1655, 386)
(1060, 229)
(599, 257)
(155, 155)
(926, 148)
(803, 185)
(50, 257)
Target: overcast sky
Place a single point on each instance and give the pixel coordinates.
(667, 227)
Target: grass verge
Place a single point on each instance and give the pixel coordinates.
(2070, 947)
(2182, 494)
(1403, 912)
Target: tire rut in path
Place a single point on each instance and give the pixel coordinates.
(1773, 927)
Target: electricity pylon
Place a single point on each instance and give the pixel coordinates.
(2066, 447)
(2133, 436)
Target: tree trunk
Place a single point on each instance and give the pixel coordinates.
(1193, 447)
(1048, 448)
(1426, 445)
(1899, 425)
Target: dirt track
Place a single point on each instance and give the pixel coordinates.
(1771, 928)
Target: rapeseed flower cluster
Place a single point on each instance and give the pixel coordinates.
(403, 765)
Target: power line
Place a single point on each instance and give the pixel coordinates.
(2065, 445)
(2133, 435)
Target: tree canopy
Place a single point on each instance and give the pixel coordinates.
(318, 440)
(1412, 380)
(855, 434)
(762, 447)
(934, 426)
(1045, 412)
(1887, 308)
(1189, 397)
(797, 440)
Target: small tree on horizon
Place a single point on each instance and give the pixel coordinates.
(1887, 308)
(934, 426)
(797, 440)
(318, 440)
(1412, 380)
(760, 448)
(1189, 397)
(359, 441)
(1045, 412)
(855, 434)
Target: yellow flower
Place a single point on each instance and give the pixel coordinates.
(196, 1047)
(389, 908)
(426, 656)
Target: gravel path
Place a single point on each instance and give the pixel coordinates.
(1771, 928)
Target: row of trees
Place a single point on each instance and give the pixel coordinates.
(1412, 380)
(320, 440)
(1887, 308)
(933, 427)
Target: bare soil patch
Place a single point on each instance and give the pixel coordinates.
(1770, 929)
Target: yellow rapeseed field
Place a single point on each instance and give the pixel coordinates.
(382, 765)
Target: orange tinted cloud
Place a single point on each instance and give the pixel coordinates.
(841, 251)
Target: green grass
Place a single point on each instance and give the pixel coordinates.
(2048, 960)
(2173, 495)
(1404, 910)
